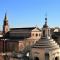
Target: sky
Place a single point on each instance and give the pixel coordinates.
(29, 13)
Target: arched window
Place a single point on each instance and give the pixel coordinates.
(36, 58)
(33, 34)
(36, 34)
(43, 33)
(56, 58)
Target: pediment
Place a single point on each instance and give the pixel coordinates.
(36, 29)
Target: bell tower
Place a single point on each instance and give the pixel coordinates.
(5, 25)
(46, 31)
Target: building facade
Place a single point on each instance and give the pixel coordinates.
(29, 42)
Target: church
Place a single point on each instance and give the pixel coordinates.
(29, 43)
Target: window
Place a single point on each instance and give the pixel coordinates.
(32, 34)
(43, 33)
(36, 58)
(36, 35)
(56, 58)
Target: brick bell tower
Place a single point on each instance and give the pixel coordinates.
(5, 25)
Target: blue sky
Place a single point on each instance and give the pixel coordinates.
(26, 13)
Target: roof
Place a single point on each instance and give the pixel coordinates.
(56, 36)
(46, 43)
(25, 28)
(21, 32)
(41, 43)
